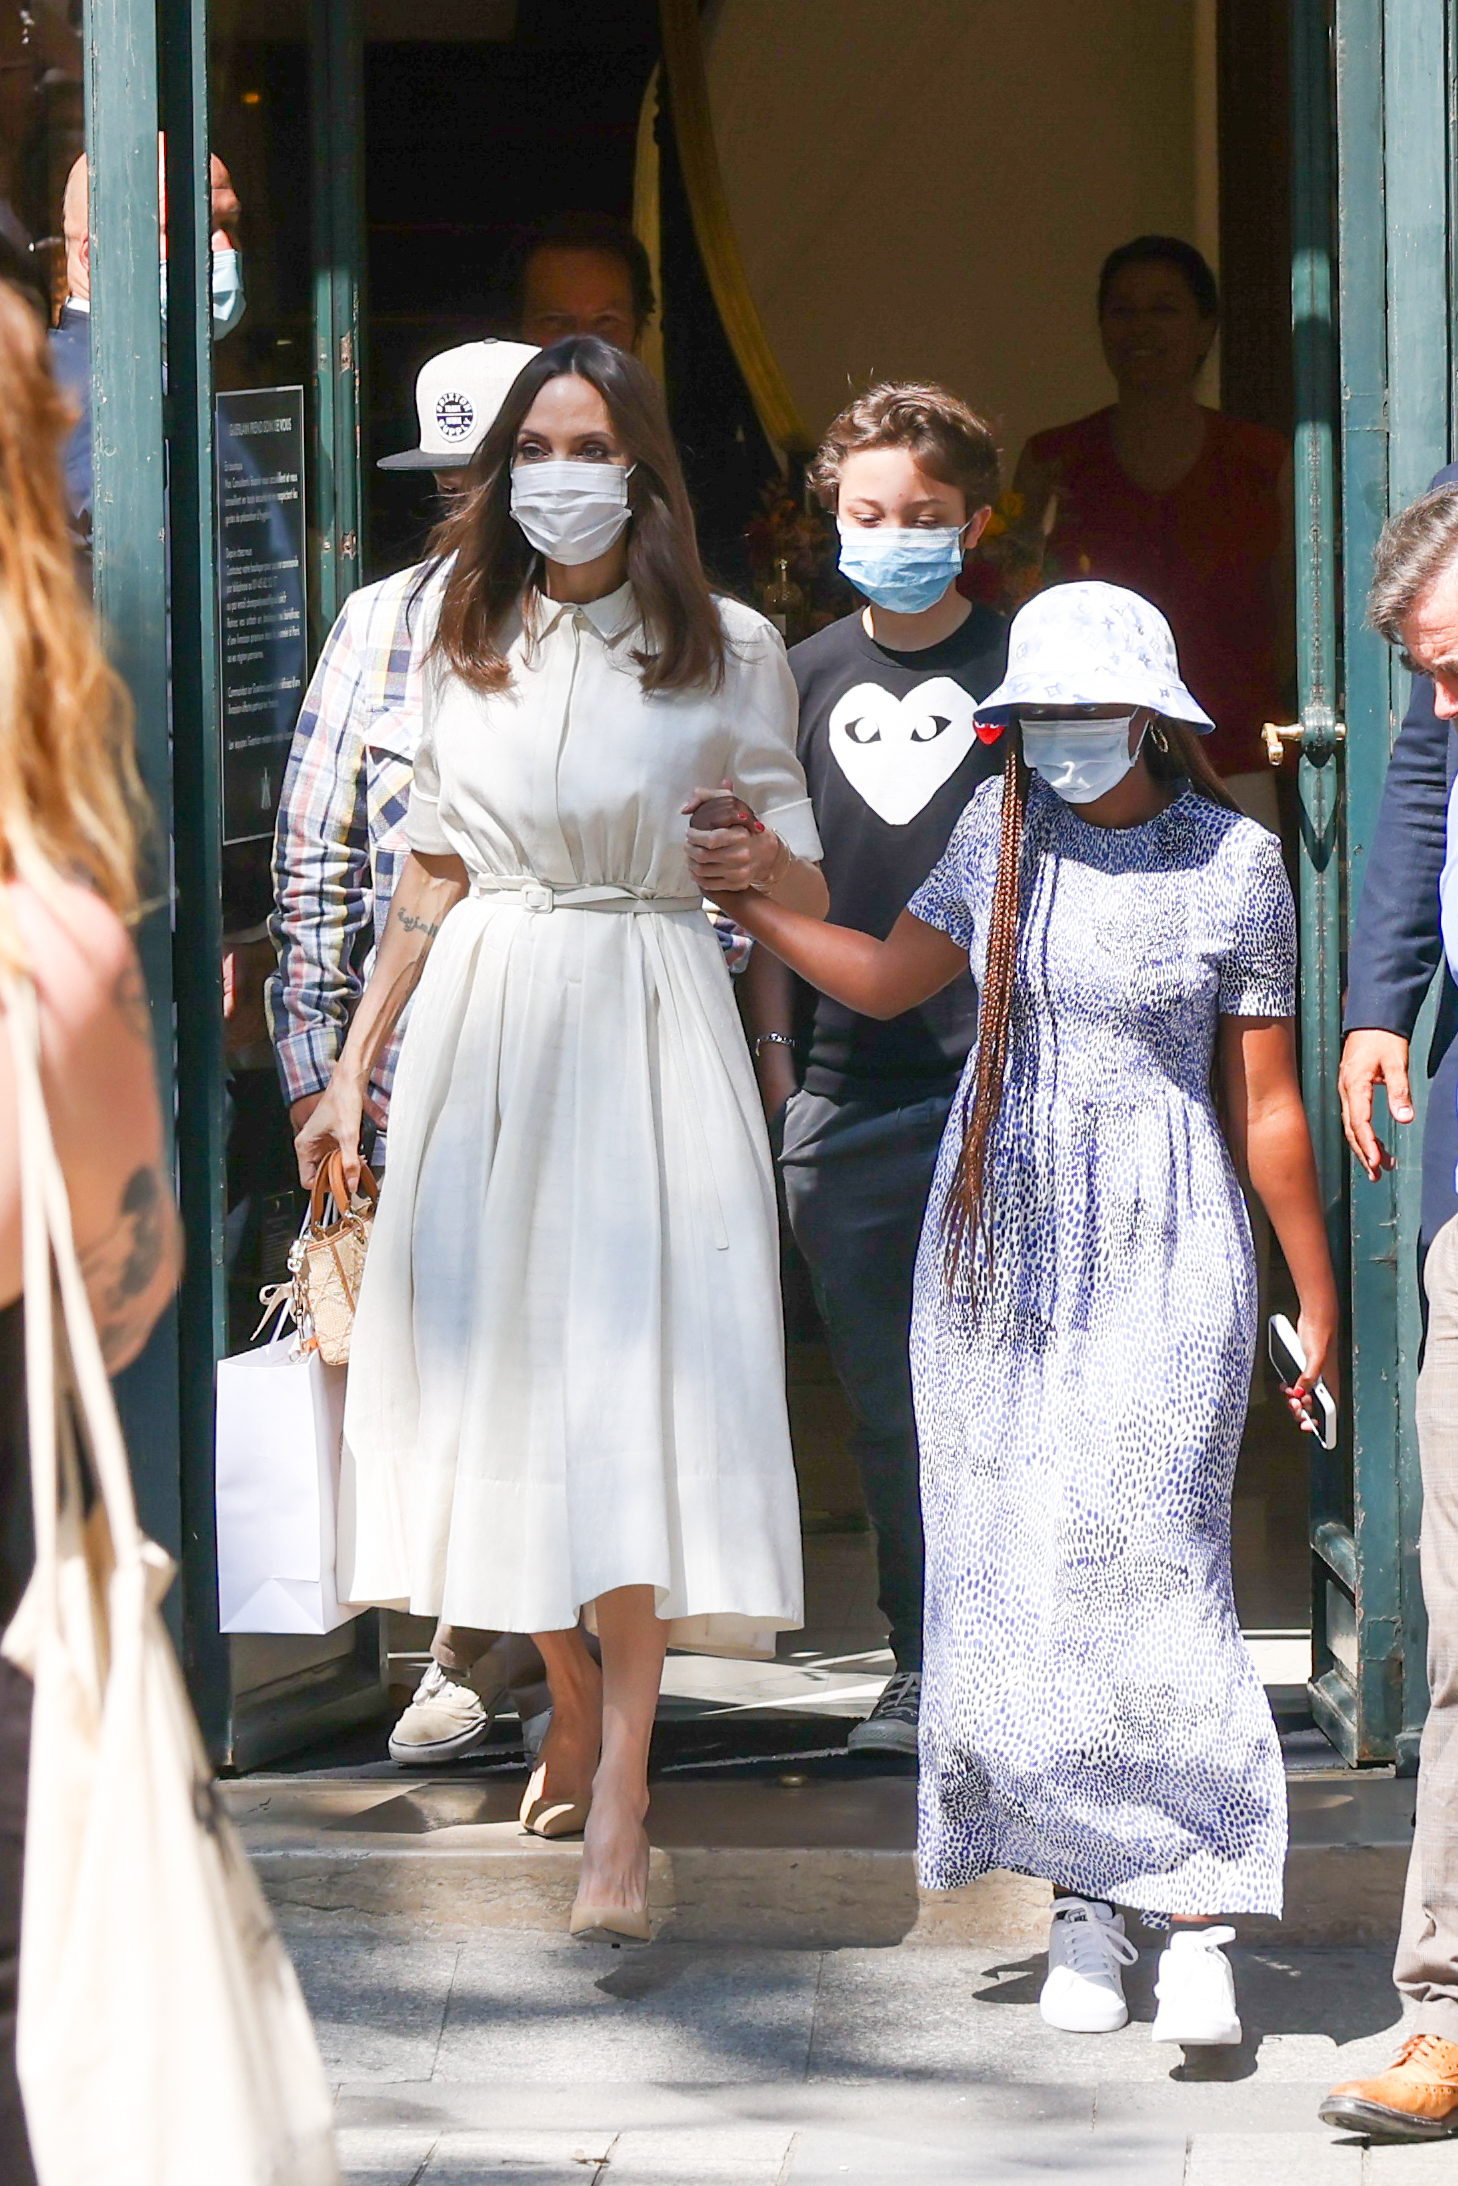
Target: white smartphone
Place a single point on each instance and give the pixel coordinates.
(1289, 1361)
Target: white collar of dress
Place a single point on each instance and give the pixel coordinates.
(611, 617)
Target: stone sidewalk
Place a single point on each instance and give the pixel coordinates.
(528, 2060)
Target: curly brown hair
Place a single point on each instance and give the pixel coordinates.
(947, 439)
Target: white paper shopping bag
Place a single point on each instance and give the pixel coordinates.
(280, 1420)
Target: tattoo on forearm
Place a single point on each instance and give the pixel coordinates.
(121, 1266)
(412, 925)
(129, 999)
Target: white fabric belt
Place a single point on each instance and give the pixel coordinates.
(539, 895)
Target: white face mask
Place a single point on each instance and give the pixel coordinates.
(228, 300)
(1081, 759)
(571, 512)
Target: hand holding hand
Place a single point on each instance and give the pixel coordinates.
(728, 860)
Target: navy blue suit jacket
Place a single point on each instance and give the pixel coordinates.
(71, 363)
(1397, 942)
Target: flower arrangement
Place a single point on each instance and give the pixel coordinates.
(1007, 565)
(803, 538)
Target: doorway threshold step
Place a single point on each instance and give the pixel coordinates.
(792, 1864)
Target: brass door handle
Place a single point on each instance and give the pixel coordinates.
(1279, 734)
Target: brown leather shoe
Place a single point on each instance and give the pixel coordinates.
(1416, 2099)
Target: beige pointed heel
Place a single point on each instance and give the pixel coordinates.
(555, 1817)
(609, 1924)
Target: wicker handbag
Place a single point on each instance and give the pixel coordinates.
(327, 1262)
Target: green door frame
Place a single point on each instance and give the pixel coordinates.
(336, 99)
(129, 518)
(1373, 387)
(154, 542)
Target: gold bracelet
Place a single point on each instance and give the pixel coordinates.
(784, 860)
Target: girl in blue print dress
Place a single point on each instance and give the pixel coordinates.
(1085, 1313)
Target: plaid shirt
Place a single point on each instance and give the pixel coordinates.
(339, 844)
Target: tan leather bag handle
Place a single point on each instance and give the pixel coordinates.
(330, 1184)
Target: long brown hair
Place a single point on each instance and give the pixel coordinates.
(70, 799)
(494, 560)
(966, 1231)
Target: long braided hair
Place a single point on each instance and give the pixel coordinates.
(1172, 753)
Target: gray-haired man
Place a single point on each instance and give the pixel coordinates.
(1414, 604)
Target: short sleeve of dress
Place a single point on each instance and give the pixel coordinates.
(423, 830)
(944, 899)
(765, 768)
(1258, 971)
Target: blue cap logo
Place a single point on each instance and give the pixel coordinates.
(454, 416)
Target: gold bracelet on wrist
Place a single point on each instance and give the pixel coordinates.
(784, 859)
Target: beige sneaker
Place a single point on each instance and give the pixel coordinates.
(447, 1717)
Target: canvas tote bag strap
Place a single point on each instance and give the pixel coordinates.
(47, 1242)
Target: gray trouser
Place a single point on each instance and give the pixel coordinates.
(856, 1182)
(1426, 1971)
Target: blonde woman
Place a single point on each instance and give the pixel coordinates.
(68, 799)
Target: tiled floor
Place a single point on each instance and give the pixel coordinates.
(520, 2058)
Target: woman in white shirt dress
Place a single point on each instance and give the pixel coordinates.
(566, 1385)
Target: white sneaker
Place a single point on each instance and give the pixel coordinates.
(1196, 1990)
(447, 1718)
(1084, 1991)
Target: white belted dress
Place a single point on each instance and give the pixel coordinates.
(567, 1365)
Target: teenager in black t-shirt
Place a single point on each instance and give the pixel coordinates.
(891, 756)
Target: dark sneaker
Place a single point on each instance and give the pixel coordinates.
(891, 1725)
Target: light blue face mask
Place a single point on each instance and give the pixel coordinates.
(904, 570)
(229, 301)
(1079, 758)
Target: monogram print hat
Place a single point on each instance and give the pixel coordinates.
(457, 396)
(1090, 645)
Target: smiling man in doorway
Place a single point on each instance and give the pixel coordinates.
(578, 273)
(891, 756)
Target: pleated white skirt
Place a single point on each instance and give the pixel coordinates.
(567, 1369)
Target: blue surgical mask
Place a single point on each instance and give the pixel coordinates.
(1080, 759)
(904, 570)
(229, 301)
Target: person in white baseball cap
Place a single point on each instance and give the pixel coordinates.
(338, 849)
(457, 394)
(1085, 1309)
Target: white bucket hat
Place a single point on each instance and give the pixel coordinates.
(1092, 645)
(457, 396)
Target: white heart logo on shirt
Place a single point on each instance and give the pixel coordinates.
(897, 752)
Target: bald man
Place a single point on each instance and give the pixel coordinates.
(71, 335)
